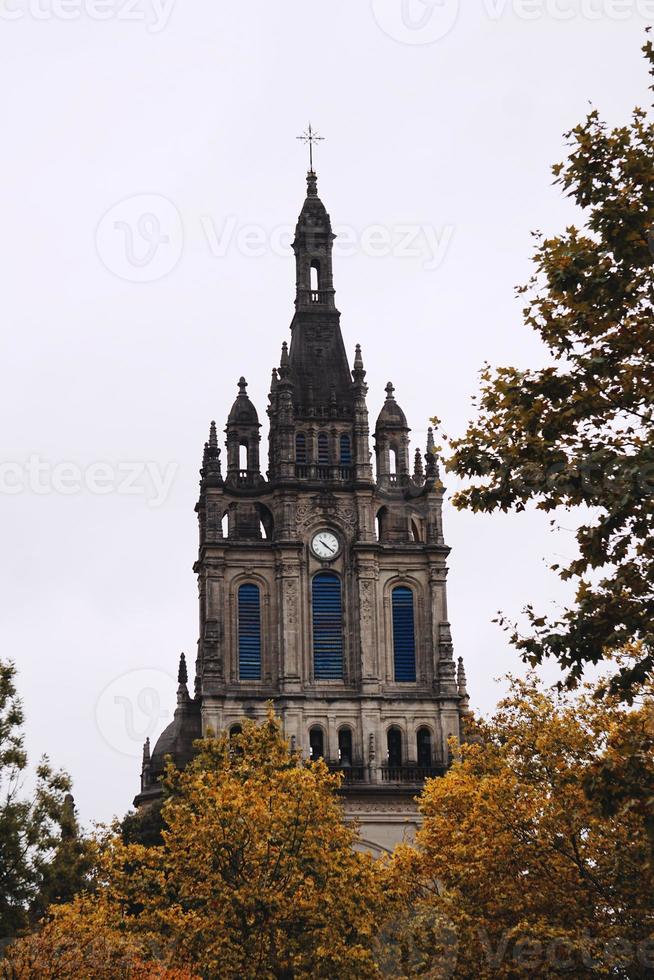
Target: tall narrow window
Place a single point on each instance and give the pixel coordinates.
(394, 747)
(316, 743)
(327, 626)
(345, 746)
(249, 633)
(346, 451)
(323, 449)
(243, 456)
(404, 635)
(424, 748)
(315, 274)
(300, 448)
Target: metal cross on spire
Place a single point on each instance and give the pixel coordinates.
(310, 136)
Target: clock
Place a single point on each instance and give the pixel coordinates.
(325, 545)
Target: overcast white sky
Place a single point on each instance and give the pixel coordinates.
(121, 340)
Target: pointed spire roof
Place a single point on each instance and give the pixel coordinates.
(182, 673)
(391, 415)
(313, 218)
(243, 411)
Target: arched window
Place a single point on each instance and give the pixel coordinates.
(392, 460)
(424, 748)
(415, 531)
(315, 274)
(394, 747)
(323, 449)
(345, 746)
(327, 608)
(235, 730)
(317, 743)
(301, 448)
(249, 633)
(243, 456)
(346, 451)
(404, 635)
(381, 522)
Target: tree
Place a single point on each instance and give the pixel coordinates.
(256, 875)
(579, 432)
(35, 830)
(76, 942)
(516, 869)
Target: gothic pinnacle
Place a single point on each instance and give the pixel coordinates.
(284, 363)
(461, 680)
(182, 673)
(146, 752)
(213, 436)
(359, 371)
(418, 471)
(430, 457)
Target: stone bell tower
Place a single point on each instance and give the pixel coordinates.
(322, 585)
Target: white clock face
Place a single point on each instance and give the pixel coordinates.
(325, 545)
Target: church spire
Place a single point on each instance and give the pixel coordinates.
(317, 358)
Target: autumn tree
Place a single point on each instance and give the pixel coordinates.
(256, 875)
(77, 941)
(517, 870)
(43, 859)
(578, 433)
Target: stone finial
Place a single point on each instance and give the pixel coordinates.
(371, 747)
(274, 381)
(418, 471)
(312, 184)
(390, 392)
(242, 386)
(182, 673)
(213, 436)
(146, 753)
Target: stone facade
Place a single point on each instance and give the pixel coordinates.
(386, 734)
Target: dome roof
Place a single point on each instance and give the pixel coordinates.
(243, 411)
(391, 415)
(177, 739)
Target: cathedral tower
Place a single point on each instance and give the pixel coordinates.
(322, 586)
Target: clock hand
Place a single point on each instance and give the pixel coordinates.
(332, 551)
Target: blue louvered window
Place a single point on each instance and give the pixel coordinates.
(327, 607)
(249, 633)
(346, 451)
(404, 635)
(323, 449)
